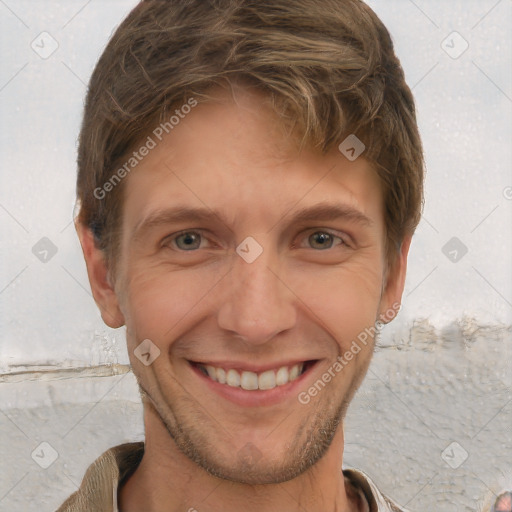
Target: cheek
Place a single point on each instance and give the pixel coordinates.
(157, 304)
(346, 300)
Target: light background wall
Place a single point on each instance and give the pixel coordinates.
(442, 371)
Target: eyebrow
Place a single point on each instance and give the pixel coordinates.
(329, 211)
(318, 212)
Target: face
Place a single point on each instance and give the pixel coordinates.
(252, 267)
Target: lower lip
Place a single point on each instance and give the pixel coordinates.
(258, 397)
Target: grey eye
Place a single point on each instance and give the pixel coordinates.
(321, 240)
(188, 241)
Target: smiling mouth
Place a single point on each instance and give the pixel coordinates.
(252, 381)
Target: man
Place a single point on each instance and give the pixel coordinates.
(503, 503)
(250, 177)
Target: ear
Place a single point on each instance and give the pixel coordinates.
(394, 284)
(101, 285)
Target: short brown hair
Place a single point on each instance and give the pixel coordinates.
(328, 66)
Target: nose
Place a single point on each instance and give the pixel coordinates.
(256, 302)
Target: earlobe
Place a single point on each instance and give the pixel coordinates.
(99, 278)
(394, 286)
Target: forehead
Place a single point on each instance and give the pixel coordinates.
(235, 154)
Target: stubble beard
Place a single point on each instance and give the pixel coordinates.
(309, 444)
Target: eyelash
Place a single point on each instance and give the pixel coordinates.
(344, 242)
(332, 235)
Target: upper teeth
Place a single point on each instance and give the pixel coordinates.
(249, 380)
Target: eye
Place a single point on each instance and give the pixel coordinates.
(187, 241)
(323, 240)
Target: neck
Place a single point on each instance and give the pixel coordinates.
(168, 481)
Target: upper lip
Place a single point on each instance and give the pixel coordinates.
(251, 367)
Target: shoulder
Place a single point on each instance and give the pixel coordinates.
(377, 501)
(99, 485)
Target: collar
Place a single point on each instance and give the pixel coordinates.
(110, 471)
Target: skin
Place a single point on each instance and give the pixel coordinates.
(304, 298)
(503, 504)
